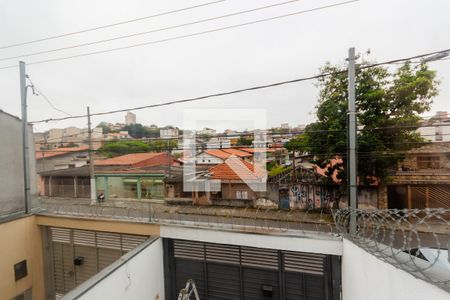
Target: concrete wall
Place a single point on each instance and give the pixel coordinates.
(366, 277)
(21, 239)
(11, 163)
(311, 244)
(140, 277)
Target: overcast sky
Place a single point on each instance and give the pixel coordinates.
(278, 50)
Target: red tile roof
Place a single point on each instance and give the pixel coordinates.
(242, 170)
(218, 153)
(137, 160)
(237, 152)
(59, 152)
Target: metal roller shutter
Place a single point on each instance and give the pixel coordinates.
(96, 250)
(255, 279)
(190, 269)
(223, 282)
(237, 272)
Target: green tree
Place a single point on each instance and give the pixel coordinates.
(151, 132)
(297, 143)
(388, 105)
(135, 130)
(117, 148)
(104, 126)
(243, 141)
(162, 145)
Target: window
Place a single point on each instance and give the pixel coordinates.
(20, 270)
(241, 195)
(428, 162)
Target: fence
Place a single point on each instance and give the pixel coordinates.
(415, 241)
(246, 219)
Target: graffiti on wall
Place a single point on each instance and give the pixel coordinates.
(308, 196)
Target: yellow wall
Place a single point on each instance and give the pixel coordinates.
(21, 239)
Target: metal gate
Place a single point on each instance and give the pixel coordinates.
(76, 255)
(236, 272)
(419, 196)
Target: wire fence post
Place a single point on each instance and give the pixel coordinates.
(352, 164)
(25, 146)
(91, 161)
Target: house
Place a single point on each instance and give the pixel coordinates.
(236, 178)
(206, 131)
(138, 160)
(58, 159)
(422, 179)
(218, 143)
(131, 176)
(277, 155)
(437, 128)
(61, 158)
(168, 132)
(69, 182)
(137, 183)
(121, 135)
(63, 137)
(218, 156)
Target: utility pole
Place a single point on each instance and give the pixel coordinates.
(91, 160)
(25, 148)
(352, 164)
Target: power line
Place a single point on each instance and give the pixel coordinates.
(186, 36)
(39, 93)
(149, 31)
(186, 100)
(111, 25)
(150, 139)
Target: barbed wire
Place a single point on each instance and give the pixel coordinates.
(414, 240)
(298, 223)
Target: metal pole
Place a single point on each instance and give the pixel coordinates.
(352, 164)
(25, 148)
(91, 161)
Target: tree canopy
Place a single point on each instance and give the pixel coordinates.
(163, 145)
(118, 148)
(139, 131)
(388, 107)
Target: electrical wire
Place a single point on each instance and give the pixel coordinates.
(186, 35)
(186, 100)
(110, 25)
(149, 31)
(39, 93)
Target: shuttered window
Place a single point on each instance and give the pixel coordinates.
(77, 255)
(237, 272)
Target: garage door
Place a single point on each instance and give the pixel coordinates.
(77, 255)
(236, 272)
